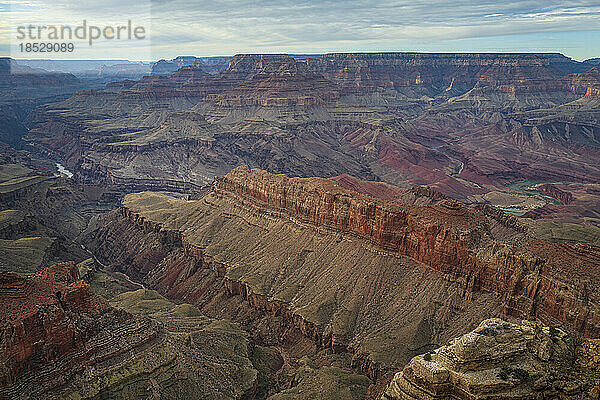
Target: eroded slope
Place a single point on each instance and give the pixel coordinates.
(351, 272)
(60, 340)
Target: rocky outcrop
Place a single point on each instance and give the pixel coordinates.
(592, 93)
(498, 360)
(40, 318)
(169, 66)
(280, 83)
(585, 83)
(60, 340)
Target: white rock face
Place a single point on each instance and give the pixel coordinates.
(498, 360)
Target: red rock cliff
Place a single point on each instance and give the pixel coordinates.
(343, 253)
(556, 283)
(40, 318)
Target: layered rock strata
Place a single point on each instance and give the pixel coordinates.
(553, 191)
(467, 124)
(60, 340)
(22, 89)
(41, 213)
(351, 272)
(498, 360)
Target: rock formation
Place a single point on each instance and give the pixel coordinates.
(405, 274)
(468, 125)
(398, 245)
(498, 360)
(456, 72)
(555, 192)
(60, 340)
(325, 383)
(280, 83)
(163, 67)
(22, 89)
(40, 318)
(42, 212)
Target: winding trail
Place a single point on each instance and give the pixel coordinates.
(105, 268)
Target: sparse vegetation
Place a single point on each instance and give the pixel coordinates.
(507, 373)
(487, 332)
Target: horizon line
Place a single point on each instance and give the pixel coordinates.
(309, 55)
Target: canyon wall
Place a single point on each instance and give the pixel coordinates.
(357, 72)
(39, 323)
(60, 340)
(448, 237)
(463, 123)
(352, 273)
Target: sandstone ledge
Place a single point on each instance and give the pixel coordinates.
(498, 360)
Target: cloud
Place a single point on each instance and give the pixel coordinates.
(285, 23)
(230, 26)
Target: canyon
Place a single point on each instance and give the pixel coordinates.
(271, 226)
(23, 89)
(383, 280)
(60, 340)
(468, 125)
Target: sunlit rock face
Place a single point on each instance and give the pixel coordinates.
(498, 360)
(377, 277)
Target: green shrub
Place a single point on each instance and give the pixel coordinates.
(516, 373)
(504, 373)
(520, 374)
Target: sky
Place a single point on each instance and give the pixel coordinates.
(226, 27)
